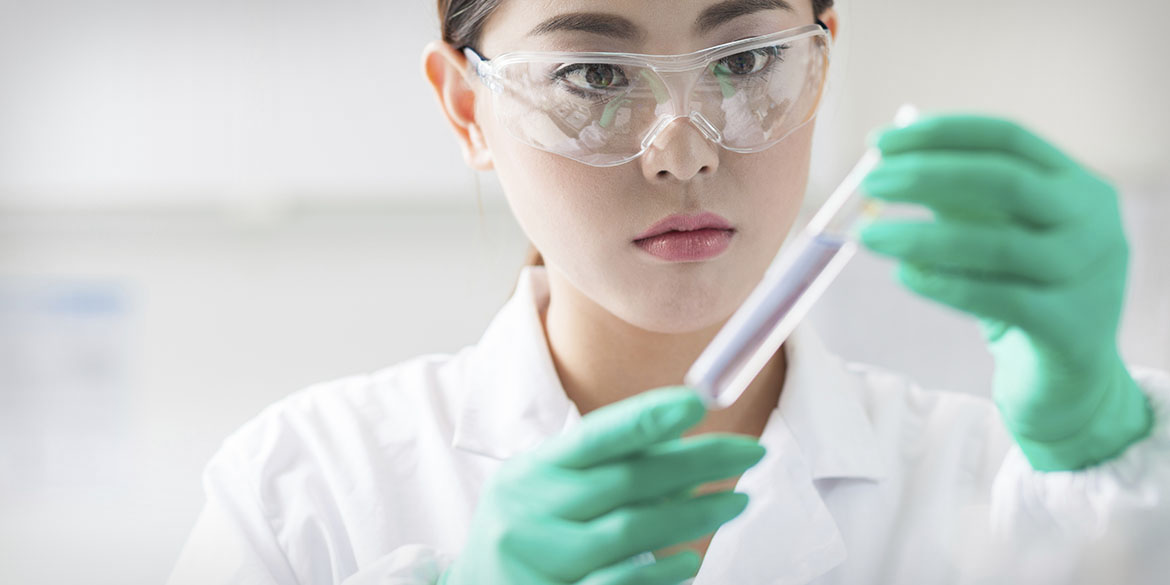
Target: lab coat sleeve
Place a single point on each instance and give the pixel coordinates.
(1116, 513)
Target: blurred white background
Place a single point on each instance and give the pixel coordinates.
(205, 206)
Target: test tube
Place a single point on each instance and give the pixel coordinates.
(797, 277)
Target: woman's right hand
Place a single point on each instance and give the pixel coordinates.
(581, 507)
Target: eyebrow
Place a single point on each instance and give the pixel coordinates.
(611, 25)
(720, 13)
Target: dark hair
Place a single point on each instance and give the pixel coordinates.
(462, 25)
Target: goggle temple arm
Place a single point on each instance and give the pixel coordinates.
(480, 67)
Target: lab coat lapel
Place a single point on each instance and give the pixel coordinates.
(512, 397)
(787, 536)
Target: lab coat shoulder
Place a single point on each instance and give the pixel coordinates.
(404, 403)
(307, 490)
(342, 428)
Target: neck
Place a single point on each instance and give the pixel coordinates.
(601, 359)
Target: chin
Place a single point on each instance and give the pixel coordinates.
(695, 312)
(677, 325)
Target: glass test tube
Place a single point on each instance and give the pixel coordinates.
(797, 277)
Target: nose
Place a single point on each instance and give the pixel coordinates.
(680, 152)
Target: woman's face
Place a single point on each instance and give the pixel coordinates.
(584, 219)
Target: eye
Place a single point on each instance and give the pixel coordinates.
(750, 62)
(592, 76)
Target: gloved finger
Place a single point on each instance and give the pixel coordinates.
(1020, 304)
(625, 428)
(996, 251)
(527, 544)
(631, 530)
(982, 186)
(971, 132)
(626, 532)
(670, 570)
(661, 471)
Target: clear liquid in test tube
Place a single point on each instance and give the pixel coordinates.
(797, 277)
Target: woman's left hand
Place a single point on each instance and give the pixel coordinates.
(1031, 243)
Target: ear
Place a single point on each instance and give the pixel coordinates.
(829, 17)
(446, 70)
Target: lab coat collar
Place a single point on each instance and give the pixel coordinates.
(513, 399)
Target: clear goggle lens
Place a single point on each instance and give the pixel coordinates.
(605, 109)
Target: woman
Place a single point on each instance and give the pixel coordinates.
(656, 183)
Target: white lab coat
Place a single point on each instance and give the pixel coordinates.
(868, 479)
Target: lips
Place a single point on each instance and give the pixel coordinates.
(685, 223)
(692, 246)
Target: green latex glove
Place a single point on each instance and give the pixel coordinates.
(580, 507)
(1031, 243)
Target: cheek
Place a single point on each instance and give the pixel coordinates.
(565, 208)
(773, 183)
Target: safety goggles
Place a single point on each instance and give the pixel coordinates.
(606, 109)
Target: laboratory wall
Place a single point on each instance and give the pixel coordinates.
(206, 206)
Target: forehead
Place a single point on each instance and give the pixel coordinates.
(645, 26)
